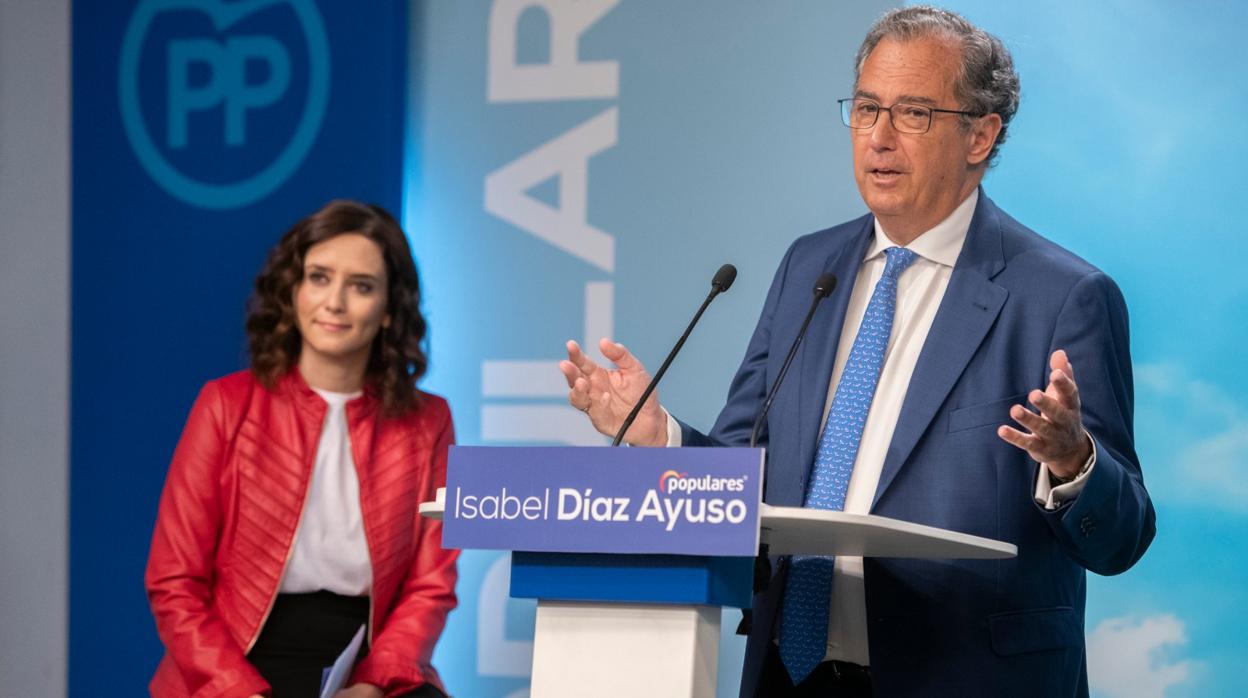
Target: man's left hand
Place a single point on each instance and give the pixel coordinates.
(1055, 436)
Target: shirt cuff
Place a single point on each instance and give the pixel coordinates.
(673, 430)
(1051, 497)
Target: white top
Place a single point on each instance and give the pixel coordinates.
(330, 551)
(920, 289)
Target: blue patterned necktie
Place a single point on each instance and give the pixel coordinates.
(804, 623)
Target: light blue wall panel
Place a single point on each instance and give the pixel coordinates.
(1127, 150)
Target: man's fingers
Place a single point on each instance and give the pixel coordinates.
(1015, 437)
(574, 352)
(619, 355)
(1032, 421)
(1048, 405)
(570, 372)
(578, 396)
(580, 358)
(1050, 430)
(579, 361)
(1060, 415)
(1059, 361)
(1065, 388)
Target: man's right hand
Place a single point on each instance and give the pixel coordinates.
(608, 396)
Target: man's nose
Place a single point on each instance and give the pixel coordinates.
(883, 136)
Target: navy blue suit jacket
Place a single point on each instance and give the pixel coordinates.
(961, 627)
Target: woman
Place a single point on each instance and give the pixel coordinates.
(289, 516)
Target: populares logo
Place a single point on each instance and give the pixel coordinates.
(672, 481)
(221, 101)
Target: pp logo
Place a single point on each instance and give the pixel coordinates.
(666, 478)
(210, 116)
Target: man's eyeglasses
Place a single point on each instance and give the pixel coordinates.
(859, 112)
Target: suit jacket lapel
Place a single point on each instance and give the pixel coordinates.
(966, 314)
(818, 352)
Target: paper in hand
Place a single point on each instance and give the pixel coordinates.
(335, 677)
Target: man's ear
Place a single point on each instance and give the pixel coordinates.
(984, 132)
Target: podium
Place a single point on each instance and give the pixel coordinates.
(649, 624)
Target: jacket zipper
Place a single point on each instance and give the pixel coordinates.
(372, 568)
(368, 539)
(290, 552)
(370, 621)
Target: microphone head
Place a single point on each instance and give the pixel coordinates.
(824, 284)
(724, 278)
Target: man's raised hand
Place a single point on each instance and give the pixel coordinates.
(1055, 436)
(607, 395)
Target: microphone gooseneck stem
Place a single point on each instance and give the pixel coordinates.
(628, 421)
(823, 289)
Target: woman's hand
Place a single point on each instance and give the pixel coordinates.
(360, 690)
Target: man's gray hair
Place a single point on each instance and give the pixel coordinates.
(986, 84)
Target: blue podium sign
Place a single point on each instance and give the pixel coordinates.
(682, 501)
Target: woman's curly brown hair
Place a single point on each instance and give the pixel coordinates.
(397, 358)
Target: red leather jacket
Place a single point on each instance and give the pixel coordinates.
(227, 521)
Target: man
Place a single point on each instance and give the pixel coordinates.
(909, 400)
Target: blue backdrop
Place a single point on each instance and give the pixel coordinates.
(170, 225)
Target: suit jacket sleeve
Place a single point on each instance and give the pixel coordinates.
(749, 385)
(1111, 523)
(400, 659)
(180, 567)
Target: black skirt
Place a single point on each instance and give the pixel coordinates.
(303, 636)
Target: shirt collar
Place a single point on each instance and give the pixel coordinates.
(942, 243)
(335, 398)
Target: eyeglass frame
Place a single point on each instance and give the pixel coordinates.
(934, 110)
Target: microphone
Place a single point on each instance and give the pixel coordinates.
(823, 288)
(721, 282)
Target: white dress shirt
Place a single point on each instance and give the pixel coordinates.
(920, 290)
(330, 551)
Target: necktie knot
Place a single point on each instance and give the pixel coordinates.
(899, 259)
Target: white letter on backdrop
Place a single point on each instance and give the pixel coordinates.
(566, 157)
(564, 77)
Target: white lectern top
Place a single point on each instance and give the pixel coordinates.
(800, 531)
